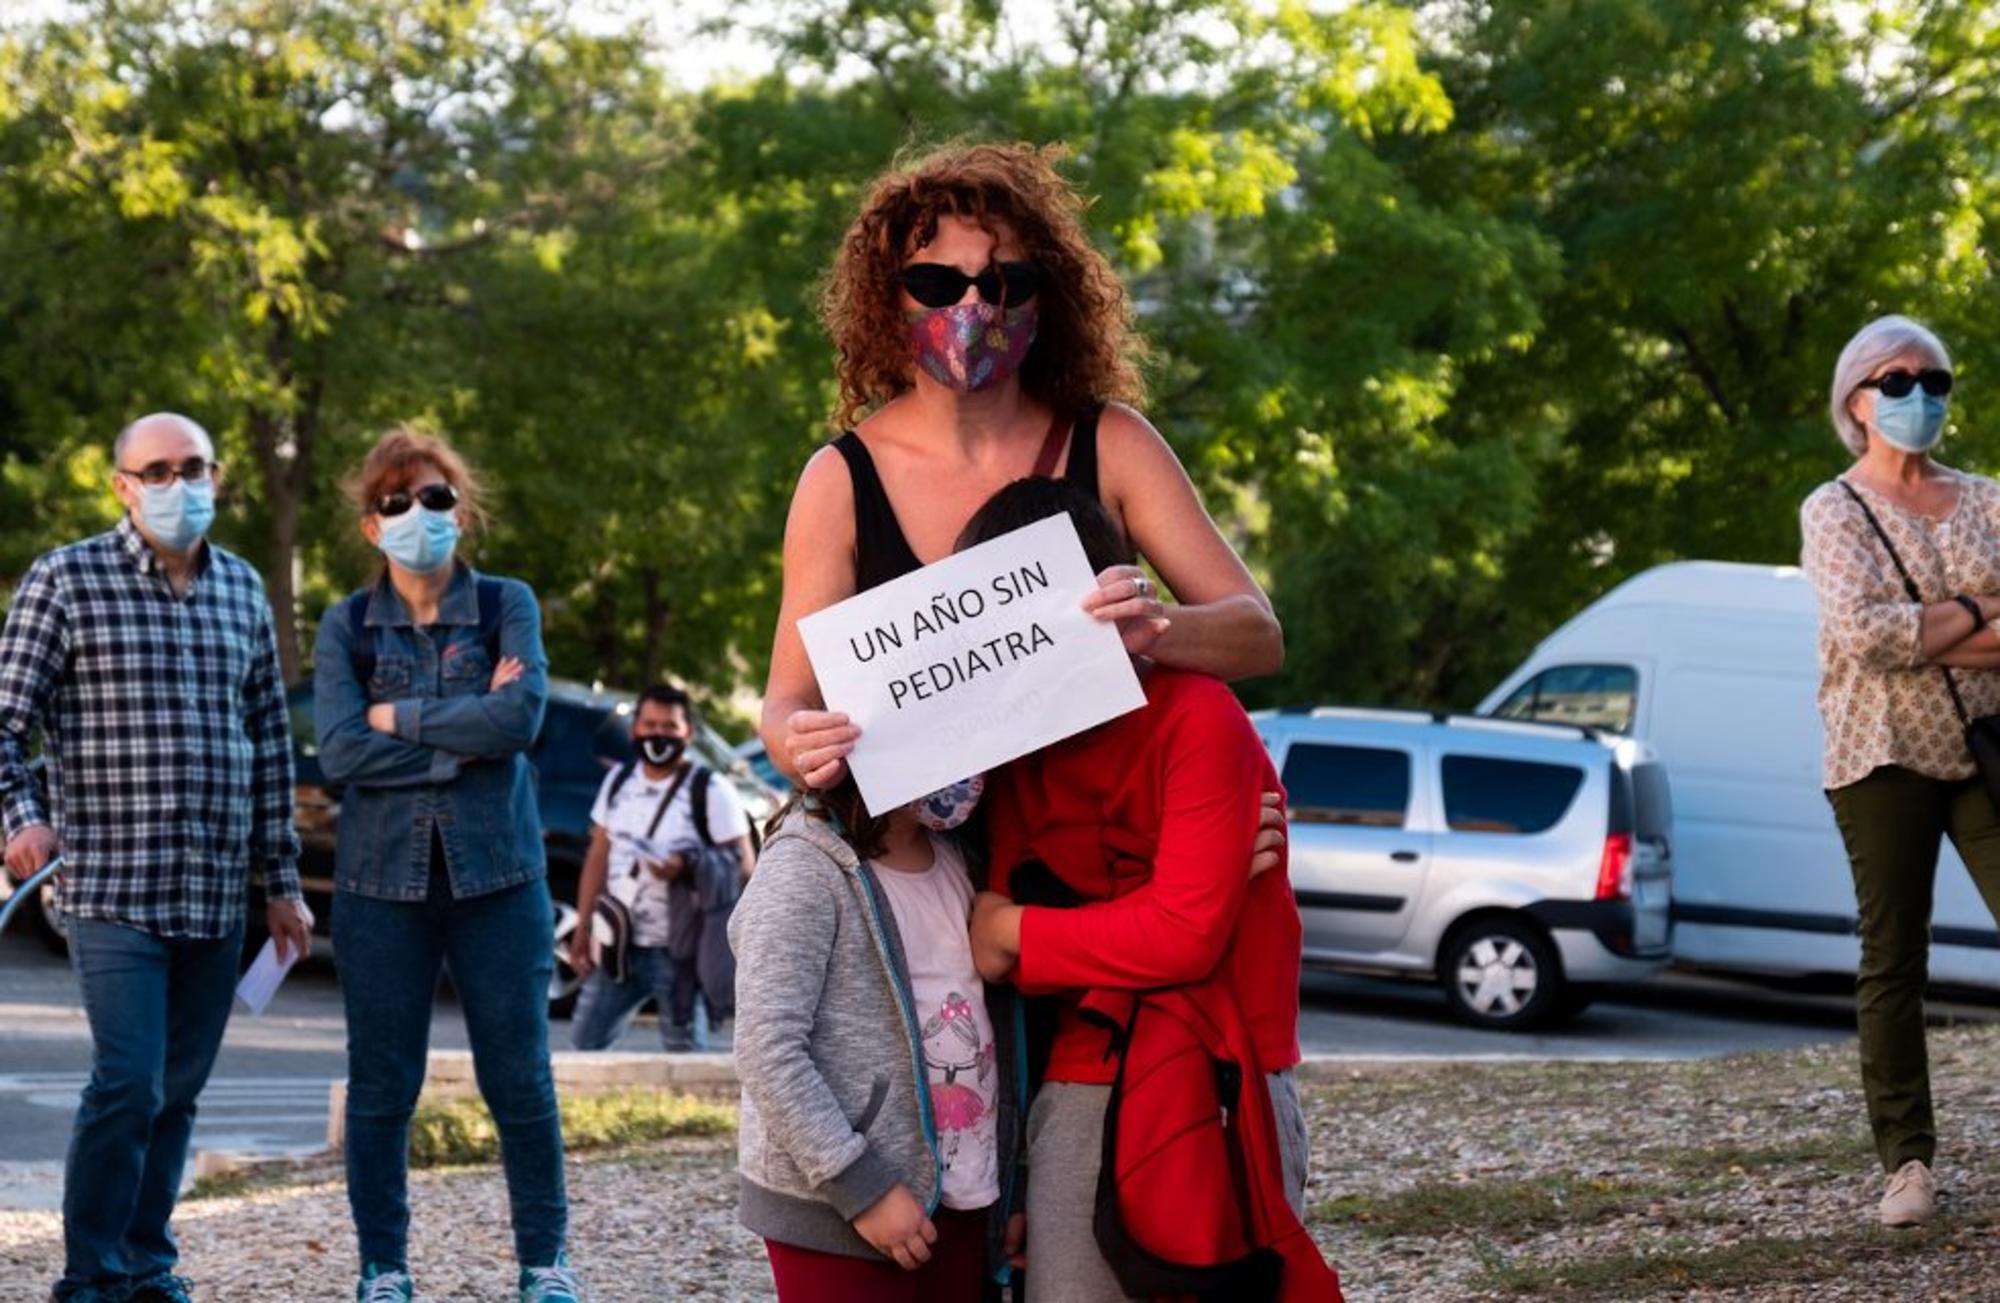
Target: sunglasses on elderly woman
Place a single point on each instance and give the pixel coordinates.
(935, 285)
(1898, 384)
(432, 497)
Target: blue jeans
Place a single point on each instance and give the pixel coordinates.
(604, 1008)
(500, 950)
(157, 1010)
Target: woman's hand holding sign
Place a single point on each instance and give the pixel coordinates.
(819, 742)
(1128, 598)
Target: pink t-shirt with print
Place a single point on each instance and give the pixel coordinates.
(932, 909)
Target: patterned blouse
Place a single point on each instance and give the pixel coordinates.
(1882, 702)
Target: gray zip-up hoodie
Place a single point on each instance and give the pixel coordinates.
(836, 1108)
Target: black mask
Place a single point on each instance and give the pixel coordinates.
(660, 751)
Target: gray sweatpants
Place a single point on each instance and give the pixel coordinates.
(1065, 1139)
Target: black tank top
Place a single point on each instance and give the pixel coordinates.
(881, 551)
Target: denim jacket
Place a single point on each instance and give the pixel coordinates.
(456, 761)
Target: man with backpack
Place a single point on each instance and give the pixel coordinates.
(669, 850)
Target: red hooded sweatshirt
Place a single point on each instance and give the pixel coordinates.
(1151, 819)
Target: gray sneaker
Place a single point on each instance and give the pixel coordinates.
(554, 1284)
(381, 1284)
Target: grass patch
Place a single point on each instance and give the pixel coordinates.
(1490, 1207)
(223, 1185)
(1838, 1153)
(1674, 1265)
(462, 1131)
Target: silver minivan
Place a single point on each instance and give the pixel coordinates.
(1519, 865)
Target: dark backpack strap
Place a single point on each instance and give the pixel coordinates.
(699, 803)
(360, 638)
(618, 781)
(1910, 587)
(491, 593)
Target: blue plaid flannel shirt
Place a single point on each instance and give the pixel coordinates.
(165, 727)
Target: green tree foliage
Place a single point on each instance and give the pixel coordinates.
(1460, 313)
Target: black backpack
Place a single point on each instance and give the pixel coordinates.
(361, 642)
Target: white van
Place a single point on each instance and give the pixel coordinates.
(1716, 665)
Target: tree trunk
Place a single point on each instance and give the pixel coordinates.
(282, 443)
(604, 626)
(657, 611)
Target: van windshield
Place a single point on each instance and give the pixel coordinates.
(1595, 696)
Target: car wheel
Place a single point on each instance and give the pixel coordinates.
(563, 982)
(1502, 974)
(49, 920)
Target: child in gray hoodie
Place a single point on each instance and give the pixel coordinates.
(880, 1117)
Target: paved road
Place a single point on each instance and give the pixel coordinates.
(269, 1091)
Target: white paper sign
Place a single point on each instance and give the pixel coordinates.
(260, 981)
(968, 663)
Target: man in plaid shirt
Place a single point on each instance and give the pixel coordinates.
(148, 660)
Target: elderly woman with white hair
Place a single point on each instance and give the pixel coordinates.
(1904, 553)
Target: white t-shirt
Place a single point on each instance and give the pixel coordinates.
(932, 910)
(626, 820)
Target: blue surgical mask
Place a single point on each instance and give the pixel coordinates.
(948, 807)
(1914, 422)
(177, 514)
(420, 540)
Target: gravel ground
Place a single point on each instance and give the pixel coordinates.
(1739, 1178)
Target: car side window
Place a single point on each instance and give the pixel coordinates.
(1519, 797)
(1594, 696)
(1366, 787)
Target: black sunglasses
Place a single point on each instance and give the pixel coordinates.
(159, 474)
(937, 286)
(1898, 384)
(432, 497)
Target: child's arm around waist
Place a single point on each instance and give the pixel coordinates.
(1176, 928)
(783, 933)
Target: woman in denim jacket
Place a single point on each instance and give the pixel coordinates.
(429, 688)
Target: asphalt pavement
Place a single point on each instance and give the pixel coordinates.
(269, 1092)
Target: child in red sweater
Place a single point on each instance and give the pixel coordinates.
(1147, 821)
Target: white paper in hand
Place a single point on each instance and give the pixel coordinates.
(966, 664)
(261, 982)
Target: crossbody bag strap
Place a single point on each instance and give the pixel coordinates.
(1910, 587)
(666, 801)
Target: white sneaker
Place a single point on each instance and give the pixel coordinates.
(1911, 1197)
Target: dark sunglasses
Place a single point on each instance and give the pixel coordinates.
(937, 286)
(159, 474)
(1898, 384)
(432, 497)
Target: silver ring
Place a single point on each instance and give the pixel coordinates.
(1142, 586)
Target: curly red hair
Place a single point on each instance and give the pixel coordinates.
(1085, 347)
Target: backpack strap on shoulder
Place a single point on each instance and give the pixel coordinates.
(698, 803)
(618, 781)
(360, 638)
(491, 592)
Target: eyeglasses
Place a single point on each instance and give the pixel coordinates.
(1898, 384)
(432, 497)
(935, 285)
(159, 474)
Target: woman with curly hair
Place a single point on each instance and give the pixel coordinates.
(983, 339)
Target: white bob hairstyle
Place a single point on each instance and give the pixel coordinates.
(1881, 340)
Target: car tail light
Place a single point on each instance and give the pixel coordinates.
(1614, 871)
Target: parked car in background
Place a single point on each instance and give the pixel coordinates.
(753, 754)
(585, 733)
(1716, 667)
(1519, 866)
